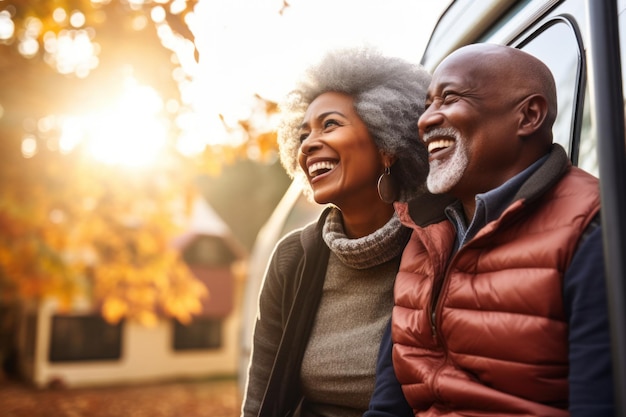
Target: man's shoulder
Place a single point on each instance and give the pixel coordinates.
(581, 183)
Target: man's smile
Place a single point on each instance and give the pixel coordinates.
(440, 142)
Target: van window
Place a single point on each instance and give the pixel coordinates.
(588, 152)
(588, 149)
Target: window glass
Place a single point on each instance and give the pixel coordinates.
(588, 150)
(587, 159)
(84, 338)
(201, 334)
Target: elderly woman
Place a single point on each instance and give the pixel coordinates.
(349, 129)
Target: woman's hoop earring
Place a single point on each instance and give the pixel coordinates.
(387, 188)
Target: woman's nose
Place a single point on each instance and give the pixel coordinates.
(310, 144)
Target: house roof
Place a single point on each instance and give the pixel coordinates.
(204, 221)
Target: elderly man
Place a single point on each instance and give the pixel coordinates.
(500, 310)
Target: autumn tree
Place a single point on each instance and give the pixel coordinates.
(94, 180)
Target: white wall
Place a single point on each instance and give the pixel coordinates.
(147, 355)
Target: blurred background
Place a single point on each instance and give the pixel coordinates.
(138, 165)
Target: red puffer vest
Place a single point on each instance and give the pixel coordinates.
(499, 341)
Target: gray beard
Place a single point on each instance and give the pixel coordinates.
(445, 174)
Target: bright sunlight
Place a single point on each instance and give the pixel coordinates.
(130, 133)
(247, 49)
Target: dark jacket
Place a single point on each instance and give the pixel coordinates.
(290, 305)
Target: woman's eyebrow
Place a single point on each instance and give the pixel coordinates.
(322, 116)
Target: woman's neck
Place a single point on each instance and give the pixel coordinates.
(366, 220)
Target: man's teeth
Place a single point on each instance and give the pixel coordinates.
(439, 144)
(320, 167)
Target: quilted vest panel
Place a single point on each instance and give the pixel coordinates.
(498, 344)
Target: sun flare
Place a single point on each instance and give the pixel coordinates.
(130, 133)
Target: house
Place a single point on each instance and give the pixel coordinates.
(80, 348)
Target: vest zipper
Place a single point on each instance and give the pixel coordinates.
(433, 324)
(433, 305)
(441, 284)
(437, 288)
(433, 328)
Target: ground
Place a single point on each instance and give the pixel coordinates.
(198, 398)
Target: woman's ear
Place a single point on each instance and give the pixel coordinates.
(387, 159)
(533, 112)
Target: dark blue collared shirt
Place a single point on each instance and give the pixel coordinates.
(489, 206)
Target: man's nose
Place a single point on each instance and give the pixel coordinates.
(429, 119)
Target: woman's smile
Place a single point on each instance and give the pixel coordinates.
(318, 170)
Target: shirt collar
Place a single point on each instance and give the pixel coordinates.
(489, 205)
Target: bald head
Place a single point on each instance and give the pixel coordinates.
(510, 71)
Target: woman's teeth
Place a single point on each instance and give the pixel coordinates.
(321, 167)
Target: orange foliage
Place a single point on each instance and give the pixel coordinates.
(100, 231)
(71, 226)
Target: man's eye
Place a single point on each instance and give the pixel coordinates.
(448, 96)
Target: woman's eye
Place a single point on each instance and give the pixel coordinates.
(303, 136)
(330, 123)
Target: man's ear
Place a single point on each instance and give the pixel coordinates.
(533, 112)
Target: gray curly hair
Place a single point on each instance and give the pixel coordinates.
(388, 94)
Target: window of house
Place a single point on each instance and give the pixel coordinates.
(84, 338)
(202, 333)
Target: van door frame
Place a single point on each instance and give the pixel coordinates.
(607, 97)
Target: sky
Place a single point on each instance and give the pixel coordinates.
(259, 47)
(247, 48)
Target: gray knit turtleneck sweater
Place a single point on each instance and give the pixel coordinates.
(338, 368)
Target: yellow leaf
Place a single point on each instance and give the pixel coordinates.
(114, 309)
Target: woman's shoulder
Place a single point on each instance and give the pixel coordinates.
(291, 241)
(299, 237)
(295, 241)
